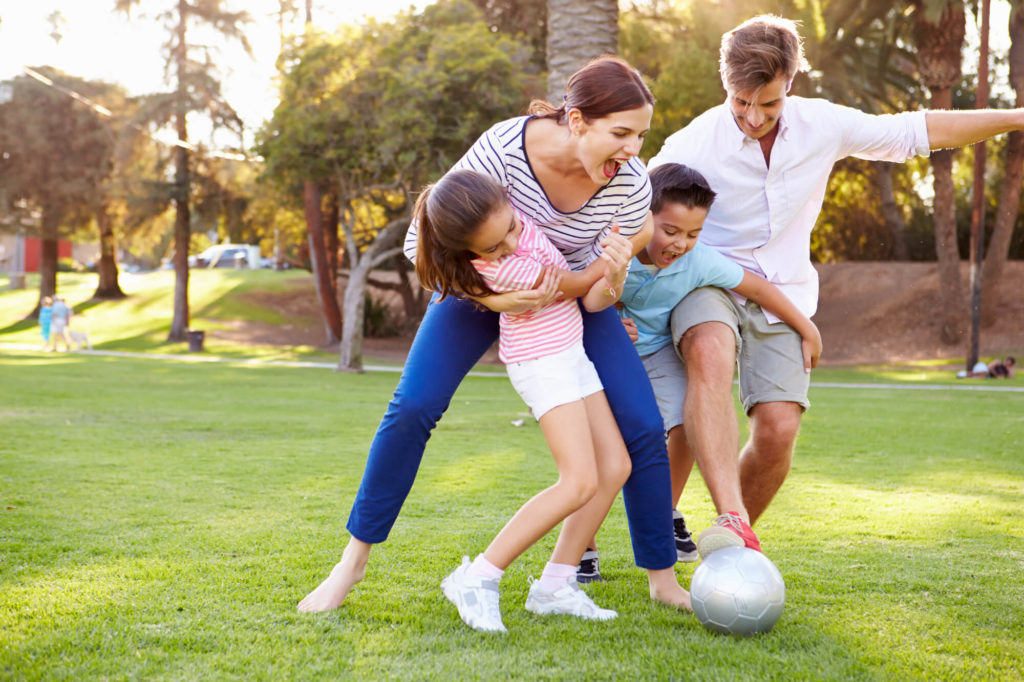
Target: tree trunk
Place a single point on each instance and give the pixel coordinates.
(578, 31)
(325, 282)
(182, 187)
(108, 287)
(890, 209)
(1009, 195)
(331, 241)
(354, 304)
(950, 288)
(49, 224)
(939, 44)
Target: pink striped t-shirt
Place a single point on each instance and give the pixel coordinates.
(534, 334)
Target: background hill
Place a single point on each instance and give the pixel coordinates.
(873, 312)
(870, 313)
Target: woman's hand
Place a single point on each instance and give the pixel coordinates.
(516, 302)
(617, 253)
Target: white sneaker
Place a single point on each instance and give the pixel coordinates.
(568, 600)
(476, 598)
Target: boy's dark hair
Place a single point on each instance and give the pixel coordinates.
(680, 184)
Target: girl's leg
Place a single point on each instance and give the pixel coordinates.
(647, 493)
(613, 467)
(567, 433)
(451, 339)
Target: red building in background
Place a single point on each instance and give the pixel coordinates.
(34, 252)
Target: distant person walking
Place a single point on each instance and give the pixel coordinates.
(45, 319)
(61, 317)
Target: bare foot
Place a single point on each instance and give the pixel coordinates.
(665, 588)
(346, 573)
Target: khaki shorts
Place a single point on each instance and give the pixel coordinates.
(668, 379)
(769, 357)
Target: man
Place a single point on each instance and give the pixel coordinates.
(768, 157)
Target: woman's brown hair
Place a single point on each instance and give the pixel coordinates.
(449, 213)
(605, 86)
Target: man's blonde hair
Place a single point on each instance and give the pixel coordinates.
(760, 50)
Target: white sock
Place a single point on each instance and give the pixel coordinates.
(482, 568)
(556, 575)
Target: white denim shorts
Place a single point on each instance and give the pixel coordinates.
(553, 380)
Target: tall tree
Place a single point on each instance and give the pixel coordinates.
(1008, 206)
(351, 115)
(978, 204)
(578, 31)
(56, 155)
(939, 27)
(195, 89)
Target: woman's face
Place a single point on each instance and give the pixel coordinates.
(607, 143)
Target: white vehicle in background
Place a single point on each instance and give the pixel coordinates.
(238, 256)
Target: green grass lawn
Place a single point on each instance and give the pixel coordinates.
(161, 519)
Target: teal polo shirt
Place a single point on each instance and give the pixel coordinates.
(649, 298)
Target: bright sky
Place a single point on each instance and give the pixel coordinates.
(99, 43)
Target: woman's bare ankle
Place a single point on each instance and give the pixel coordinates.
(665, 588)
(331, 593)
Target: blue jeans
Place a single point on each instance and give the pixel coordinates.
(452, 337)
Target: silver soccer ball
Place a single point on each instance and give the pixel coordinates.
(737, 591)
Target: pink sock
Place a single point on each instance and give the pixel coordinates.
(483, 568)
(556, 575)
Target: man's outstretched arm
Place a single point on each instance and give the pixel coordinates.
(957, 128)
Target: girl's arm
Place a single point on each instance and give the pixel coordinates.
(767, 295)
(546, 290)
(570, 284)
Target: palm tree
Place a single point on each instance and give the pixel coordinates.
(578, 31)
(1009, 196)
(195, 89)
(939, 27)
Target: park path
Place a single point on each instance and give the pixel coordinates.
(203, 357)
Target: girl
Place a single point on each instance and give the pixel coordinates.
(573, 170)
(472, 242)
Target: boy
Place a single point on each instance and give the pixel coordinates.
(672, 265)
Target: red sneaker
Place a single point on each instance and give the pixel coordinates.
(730, 530)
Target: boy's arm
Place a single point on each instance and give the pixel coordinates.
(767, 295)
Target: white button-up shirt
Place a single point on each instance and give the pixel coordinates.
(762, 217)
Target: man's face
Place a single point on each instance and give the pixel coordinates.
(757, 111)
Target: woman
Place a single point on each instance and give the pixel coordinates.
(574, 170)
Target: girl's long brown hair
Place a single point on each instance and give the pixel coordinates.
(449, 212)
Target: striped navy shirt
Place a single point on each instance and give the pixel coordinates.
(625, 200)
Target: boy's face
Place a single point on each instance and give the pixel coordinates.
(676, 228)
